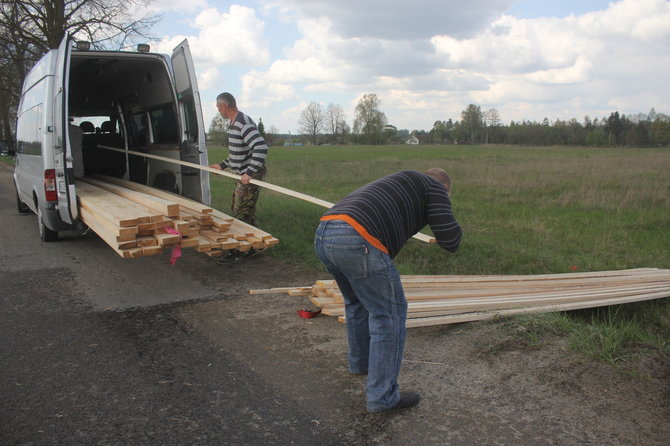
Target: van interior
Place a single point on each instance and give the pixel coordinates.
(126, 100)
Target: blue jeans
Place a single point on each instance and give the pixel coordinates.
(375, 308)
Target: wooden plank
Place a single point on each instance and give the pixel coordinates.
(146, 241)
(270, 242)
(151, 250)
(189, 242)
(167, 239)
(439, 320)
(92, 222)
(117, 209)
(157, 204)
(121, 234)
(230, 243)
(181, 226)
(178, 199)
(300, 291)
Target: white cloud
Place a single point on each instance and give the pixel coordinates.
(399, 19)
(179, 5)
(429, 59)
(643, 20)
(224, 38)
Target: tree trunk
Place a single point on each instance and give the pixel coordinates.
(55, 14)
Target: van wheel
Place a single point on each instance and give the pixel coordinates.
(22, 207)
(46, 234)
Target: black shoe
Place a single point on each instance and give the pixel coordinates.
(231, 257)
(235, 256)
(407, 399)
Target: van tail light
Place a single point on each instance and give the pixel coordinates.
(50, 185)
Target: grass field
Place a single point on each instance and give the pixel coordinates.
(524, 210)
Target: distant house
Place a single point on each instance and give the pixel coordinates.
(412, 140)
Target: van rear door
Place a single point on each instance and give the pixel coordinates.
(188, 96)
(67, 197)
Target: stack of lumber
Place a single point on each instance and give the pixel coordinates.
(436, 300)
(137, 220)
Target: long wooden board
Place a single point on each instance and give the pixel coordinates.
(157, 204)
(117, 209)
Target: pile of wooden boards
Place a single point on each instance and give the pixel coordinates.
(436, 300)
(137, 220)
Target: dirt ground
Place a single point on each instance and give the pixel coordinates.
(481, 383)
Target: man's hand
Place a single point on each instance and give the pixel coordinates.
(216, 166)
(245, 179)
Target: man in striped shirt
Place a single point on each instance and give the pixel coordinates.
(247, 152)
(357, 240)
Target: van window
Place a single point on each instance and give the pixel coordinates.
(98, 123)
(138, 129)
(164, 125)
(191, 120)
(29, 131)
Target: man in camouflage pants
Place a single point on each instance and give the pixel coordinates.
(245, 197)
(247, 152)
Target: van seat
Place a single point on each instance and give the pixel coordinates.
(113, 163)
(97, 160)
(87, 127)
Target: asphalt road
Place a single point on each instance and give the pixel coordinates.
(93, 353)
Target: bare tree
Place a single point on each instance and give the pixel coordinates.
(29, 28)
(312, 120)
(336, 122)
(271, 135)
(108, 24)
(491, 118)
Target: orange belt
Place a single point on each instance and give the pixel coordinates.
(360, 229)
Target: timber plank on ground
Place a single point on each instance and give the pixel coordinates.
(433, 300)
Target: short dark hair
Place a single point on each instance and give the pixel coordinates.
(440, 175)
(227, 99)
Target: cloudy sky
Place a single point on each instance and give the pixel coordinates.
(426, 59)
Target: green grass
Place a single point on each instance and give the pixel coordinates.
(7, 160)
(524, 210)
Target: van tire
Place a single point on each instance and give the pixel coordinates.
(46, 234)
(22, 207)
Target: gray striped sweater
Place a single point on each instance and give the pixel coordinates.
(394, 208)
(247, 149)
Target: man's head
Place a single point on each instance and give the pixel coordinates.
(225, 103)
(441, 176)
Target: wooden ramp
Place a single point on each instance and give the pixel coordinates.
(137, 220)
(436, 300)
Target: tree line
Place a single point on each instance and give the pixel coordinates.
(319, 125)
(616, 130)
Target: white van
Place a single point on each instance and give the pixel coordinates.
(74, 100)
